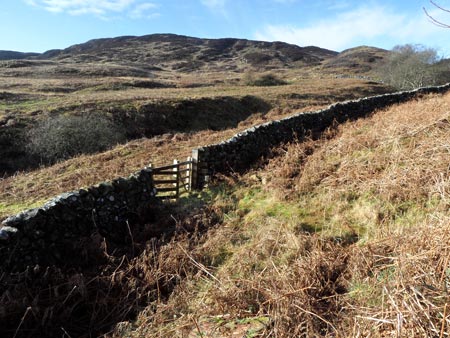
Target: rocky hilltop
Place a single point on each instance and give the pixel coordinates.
(141, 56)
(170, 51)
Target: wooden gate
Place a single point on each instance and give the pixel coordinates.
(173, 180)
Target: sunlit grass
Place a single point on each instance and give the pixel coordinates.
(352, 237)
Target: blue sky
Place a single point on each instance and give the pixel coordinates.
(40, 25)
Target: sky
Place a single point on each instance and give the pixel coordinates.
(40, 25)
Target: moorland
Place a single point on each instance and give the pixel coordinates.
(341, 235)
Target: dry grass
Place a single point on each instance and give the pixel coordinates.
(346, 236)
(30, 189)
(27, 189)
(85, 92)
(342, 237)
(106, 285)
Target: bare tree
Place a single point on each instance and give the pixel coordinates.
(433, 19)
(413, 66)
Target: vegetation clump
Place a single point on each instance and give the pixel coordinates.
(64, 137)
(264, 80)
(413, 66)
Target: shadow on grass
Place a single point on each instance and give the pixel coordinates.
(88, 300)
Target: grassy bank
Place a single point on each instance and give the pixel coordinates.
(342, 236)
(27, 189)
(346, 236)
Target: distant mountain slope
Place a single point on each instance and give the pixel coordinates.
(177, 52)
(142, 56)
(12, 55)
(359, 59)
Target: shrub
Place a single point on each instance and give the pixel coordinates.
(413, 66)
(263, 80)
(63, 137)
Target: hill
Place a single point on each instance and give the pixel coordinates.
(163, 55)
(145, 85)
(183, 53)
(345, 234)
(357, 60)
(12, 55)
(146, 56)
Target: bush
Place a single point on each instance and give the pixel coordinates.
(263, 80)
(413, 66)
(63, 137)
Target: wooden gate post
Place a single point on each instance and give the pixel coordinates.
(194, 170)
(176, 176)
(188, 180)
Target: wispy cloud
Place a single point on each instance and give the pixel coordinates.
(145, 10)
(101, 8)
(337, 5)
(218, 6)
(348, 28)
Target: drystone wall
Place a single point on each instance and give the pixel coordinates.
(238, 152)
(63, 229)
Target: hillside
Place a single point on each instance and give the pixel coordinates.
(147, 56)
(359, 60)
(341, 235)
(12, 55)
(183, 53)
(229, 114)
(137, 96)
(345, 236)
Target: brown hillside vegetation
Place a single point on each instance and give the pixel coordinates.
(146, 85)
(361, 60)
(345, 236)
(28, 189)
(170, 51)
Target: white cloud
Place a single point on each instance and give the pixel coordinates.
(144, 10)
(348, 28)
(101, 8)
(84, 6)
(217, 5)
(337, 5)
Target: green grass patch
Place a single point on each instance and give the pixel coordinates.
(7, 209)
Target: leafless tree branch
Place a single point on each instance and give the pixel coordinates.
(440, 7)
(432, 19)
